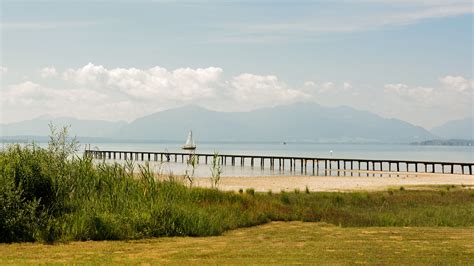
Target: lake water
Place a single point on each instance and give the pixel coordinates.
(349, 151)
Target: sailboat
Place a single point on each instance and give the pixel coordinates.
(189, 145)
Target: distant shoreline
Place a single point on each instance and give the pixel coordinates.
(445, 142)
(84, 140)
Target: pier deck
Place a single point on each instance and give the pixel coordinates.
(294, 163)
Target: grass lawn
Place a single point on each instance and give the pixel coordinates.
(276, 242)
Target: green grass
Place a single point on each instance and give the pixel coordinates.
(49, 195)
(272, 243)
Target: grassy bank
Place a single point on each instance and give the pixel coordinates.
(272, 243)
(50, 195)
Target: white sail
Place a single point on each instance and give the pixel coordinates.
(189, 142)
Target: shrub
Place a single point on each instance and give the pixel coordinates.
(18, 221)
(250, 191)
(284, 198)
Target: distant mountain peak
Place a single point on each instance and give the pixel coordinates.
(456, 129)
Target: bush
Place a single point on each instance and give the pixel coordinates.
(250, 191)
(18, 219)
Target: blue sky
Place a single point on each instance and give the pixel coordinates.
(414, 57)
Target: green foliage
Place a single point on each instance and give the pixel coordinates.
(49, 194)
(189, 175)
(285, 199)
(250, 191)
(216, 170)
(18, 219)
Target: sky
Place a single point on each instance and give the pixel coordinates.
(120, 60)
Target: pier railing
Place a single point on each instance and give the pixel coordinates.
(292, 162)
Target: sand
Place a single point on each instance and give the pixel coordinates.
(340, 183)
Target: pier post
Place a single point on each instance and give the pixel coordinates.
(251, 161)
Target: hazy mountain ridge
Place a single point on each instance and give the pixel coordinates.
(456, 129)
(40, 127)
(296, 122)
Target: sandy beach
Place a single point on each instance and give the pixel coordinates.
(340, 183)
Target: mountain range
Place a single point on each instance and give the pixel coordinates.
(296, 122)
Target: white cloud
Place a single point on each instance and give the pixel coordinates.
(330, 87)
(309, 83)
(347, 86)
(451, 85)
(182, 84)
(249, 90)
(32, 94)
(383, 13)
(419, 95)
(94, 91)
(457, 83)
(48, 72)
(3, 70)
(327, 86)
(454, 92)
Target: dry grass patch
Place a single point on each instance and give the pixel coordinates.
(276, 242)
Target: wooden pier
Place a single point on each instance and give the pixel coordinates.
(315, 165)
